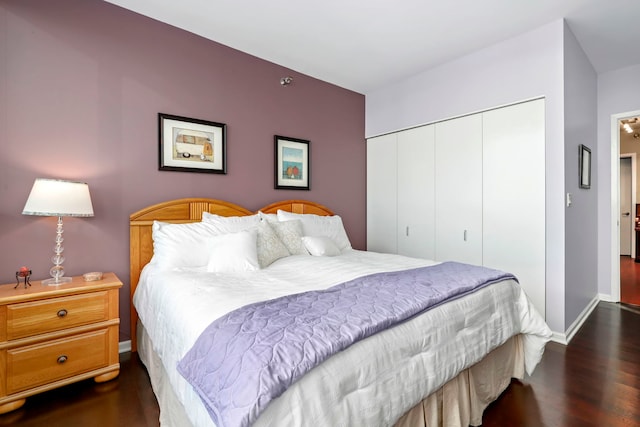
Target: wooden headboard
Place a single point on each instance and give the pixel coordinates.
(297, 206)
(182, 211)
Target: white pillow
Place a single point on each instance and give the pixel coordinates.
(233, 252)
(317, 225)
(230, 224)
(320, 246)
(181, 245)
(268, 217)
(270, 247)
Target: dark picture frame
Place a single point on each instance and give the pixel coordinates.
(584, 169)
(292, 166)
(191, 145)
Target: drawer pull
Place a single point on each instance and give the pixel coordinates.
(62, 359)
(62, 313)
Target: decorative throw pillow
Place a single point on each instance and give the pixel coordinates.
(270, 247)
(290, 233)
(320, 246)
(317, 225)
(233, 252)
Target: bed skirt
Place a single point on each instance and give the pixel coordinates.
(460, 402)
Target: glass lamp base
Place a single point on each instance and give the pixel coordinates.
(55, 281)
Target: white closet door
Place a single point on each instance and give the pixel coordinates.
(416, 192)
(513, 192)
(458, 195)
(382, 181)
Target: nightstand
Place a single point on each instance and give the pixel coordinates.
(51, 336)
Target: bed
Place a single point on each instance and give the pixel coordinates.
(441, 367)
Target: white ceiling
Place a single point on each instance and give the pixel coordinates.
(365, 44)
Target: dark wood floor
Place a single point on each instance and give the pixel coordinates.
(126, 401)
(629, 281)
(594, 381)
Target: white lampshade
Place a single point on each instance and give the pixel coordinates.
(55, 197)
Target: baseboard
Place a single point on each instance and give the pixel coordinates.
(606, 298)
(558, 337)
(565, 338)
(124, 346)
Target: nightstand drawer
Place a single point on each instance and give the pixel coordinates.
(33, 318)
(34, 365)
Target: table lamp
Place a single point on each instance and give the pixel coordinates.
(55, 197)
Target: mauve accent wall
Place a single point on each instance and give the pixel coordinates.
(81, 86)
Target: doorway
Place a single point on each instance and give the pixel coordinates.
(625, 141)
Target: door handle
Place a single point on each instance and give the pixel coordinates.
(626, 214)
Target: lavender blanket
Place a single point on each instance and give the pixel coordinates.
(250, 356)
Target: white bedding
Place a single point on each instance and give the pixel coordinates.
(412, 359)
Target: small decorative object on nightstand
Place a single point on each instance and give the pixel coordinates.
(54, 336)
(24, 273)
(94, 275)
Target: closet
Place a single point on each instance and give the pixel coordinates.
(458, 188)
(400, 166)
(469, 189)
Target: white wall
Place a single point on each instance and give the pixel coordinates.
(618, 92)
(580, 124)
(520, 68)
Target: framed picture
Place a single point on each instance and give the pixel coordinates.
(291, 163)
(584, 156)
(192, 145)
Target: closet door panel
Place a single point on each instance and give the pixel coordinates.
(416, 192)
(382, 194)
(458, 190)
(513, 193)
